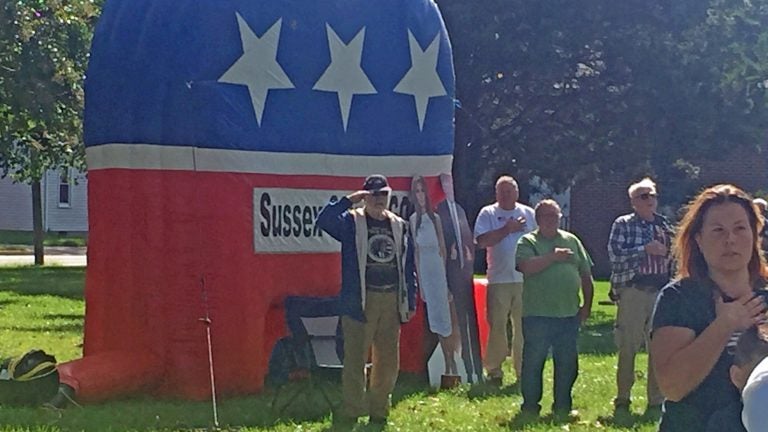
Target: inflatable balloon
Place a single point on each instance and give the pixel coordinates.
(215, 131)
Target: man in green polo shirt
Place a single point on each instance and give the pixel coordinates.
(555, 268)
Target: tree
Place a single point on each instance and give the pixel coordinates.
(43, 56)
(574, 91)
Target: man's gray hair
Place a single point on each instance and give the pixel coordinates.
(645, 183)
(506, 179)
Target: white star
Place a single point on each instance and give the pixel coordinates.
(257, 68)
(422, 81)
(345, 75)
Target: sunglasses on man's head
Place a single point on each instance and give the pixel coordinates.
(647, 195)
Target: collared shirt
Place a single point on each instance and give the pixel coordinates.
(626, 247)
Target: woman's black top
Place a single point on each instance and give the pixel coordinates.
(689, 303)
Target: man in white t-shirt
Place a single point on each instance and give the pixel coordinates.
(498, 228)
(754, 415)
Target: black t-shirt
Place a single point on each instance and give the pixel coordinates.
(689, 303)
(727, 419)
(381, 264)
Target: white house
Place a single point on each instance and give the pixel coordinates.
(65, 202)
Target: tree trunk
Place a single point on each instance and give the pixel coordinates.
(37, 221)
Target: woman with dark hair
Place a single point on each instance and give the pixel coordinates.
(700, 315)
(430, 255)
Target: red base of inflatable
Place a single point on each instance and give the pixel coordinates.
(481, 305)
(111, 374)
(161, 258)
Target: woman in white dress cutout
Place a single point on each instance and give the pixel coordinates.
(430, 265)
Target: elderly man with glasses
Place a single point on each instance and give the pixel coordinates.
(378, 293)
(638, 248)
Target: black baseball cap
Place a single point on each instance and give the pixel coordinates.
(376, 183)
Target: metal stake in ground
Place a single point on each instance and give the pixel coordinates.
(207, 322)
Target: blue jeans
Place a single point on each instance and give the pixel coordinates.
(540, 334)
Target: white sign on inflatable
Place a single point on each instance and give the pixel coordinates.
(284, 219)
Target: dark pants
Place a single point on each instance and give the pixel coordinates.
(463, 290)
(540, 334)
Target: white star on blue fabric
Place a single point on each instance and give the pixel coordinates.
(257, 68)
(345, 75)
(422, 81)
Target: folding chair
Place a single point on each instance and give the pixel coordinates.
(315, 328)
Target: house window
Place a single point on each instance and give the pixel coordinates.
(65, 189)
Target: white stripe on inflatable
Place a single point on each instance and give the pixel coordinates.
(166, 157)
(140, 156)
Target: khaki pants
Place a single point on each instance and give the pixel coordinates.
(632, 332)
(504, 300)
(381, 332)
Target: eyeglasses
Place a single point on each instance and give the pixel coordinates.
(380, 193)
(647, 195)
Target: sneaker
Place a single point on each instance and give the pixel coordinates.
(621, 404)
(568, 416)
(529, 413)
(342, 423)
(653, 411)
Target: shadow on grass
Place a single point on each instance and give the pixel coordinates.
(7, 302)
(145, 414)
(523, 419)
(63, 328)
(482, 391)
(617, 420)
(623, 419)
(409, 384)
(65, 317)
(65, 282)
(305, 400)
(596, 337)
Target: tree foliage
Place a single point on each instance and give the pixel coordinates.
(584, 90)
(43, 56)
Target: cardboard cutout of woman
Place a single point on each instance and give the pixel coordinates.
(430, 252)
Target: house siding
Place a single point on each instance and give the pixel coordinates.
(16, 204)
(594, 207)
(73, 218)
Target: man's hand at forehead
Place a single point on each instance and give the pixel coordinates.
(358, 196)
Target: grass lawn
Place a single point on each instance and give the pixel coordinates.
(51, 238)
(43, 308)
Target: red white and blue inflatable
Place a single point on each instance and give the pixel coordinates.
(215, 131)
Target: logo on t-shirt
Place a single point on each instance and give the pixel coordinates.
(381, 248)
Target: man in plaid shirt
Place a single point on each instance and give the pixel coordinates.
(638, 248)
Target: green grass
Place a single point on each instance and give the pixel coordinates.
(43, 308)
(24, 238)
